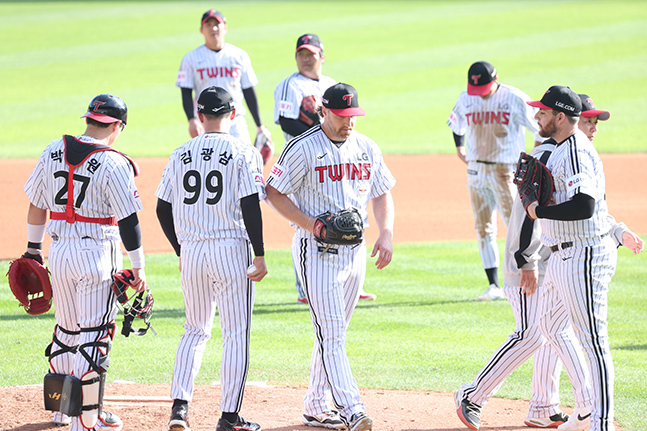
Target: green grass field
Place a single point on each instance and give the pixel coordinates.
(408, 60)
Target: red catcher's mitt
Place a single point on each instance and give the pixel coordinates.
(30, 284)
(264, 144)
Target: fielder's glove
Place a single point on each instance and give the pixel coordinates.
(30, 284)
(264, 144)
(344, 227)
(533, 180)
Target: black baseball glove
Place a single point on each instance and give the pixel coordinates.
(344, 227)
(533, 180)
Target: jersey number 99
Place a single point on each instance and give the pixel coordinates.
(193, 185)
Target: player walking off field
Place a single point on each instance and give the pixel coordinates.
(488, 123)
(217, 63)
(89, 190)
(332, 167)
(583, 253)
(209, 210)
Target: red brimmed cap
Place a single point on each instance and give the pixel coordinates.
(107, 108)
(561, 99)
(311, 42)
(588, 109)
(342, 100)
(212, 13)
(481, 78)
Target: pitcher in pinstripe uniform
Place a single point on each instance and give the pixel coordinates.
(583, 253)
(90, 193)
(488, 123)
(329, 168)
(208, 207)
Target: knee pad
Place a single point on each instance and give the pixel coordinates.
(53, 391)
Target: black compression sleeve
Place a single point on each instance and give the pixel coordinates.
(130, 232)
(292, 127)
(253, 222)
(252, 104)
(459, 140)
(580, 207)
(165, 216)
(187, 102)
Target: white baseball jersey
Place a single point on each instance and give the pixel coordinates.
(297, 93)
(204, 181)
(493, 127)
(229, 68)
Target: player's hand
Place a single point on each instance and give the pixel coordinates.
(383, 246)
(460, 152)
(528, 282)
(632, 241)
(195, 127)
(531, 210)
(139, 284)
(259, 269)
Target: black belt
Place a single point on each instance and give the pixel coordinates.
(562, 246)
(485, 162)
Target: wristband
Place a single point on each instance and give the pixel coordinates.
(35, 232)
(137, 257)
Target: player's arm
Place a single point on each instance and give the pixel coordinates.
(36, 224)
(195, 126)
(252, 104)
(292, 126)
(164, 213)
(131, 237)
(251, 210)
(284, 206)
(622, 235)
(580, 207)
(384, 212)
(459, 141)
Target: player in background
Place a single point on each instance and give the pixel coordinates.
(588, 122)
(217, 63)
(488, 123)
(296, 101)
(88, 217)
(583, 254)
(311, 169)
(208, 207)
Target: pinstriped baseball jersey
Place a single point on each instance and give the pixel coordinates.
(577, 168)
(323, 177)
(229, 68)
(104, 187)
(295, 91)
(204, 181)
(493, 127)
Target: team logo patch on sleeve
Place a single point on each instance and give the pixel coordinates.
(181, 75)
(258, 179)
(277, 171)
(285, 106)
(574, 182)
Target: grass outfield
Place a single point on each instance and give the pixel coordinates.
(425, 331)
(408, 60)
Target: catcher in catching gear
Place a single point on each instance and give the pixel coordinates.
(534, 181)
(30, 284)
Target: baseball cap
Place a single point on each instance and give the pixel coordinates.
(106, 108)
(341, 99)
(588, 109)
(561, 99)
(311, 42)
(212, 13)
(215, 101)
(480, 78)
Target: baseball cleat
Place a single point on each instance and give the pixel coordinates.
(360, 422)
(108, 422)
(468, 412)
(492, 293)
(328, 419)
(551, 422)
(302, 300)
(367, 296)
(61, 419)
(179, 418)
(579, 420)
(240, 425)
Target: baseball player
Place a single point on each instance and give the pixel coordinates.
(296, 100)
(487, 123)
(89, 190)
(209, 209)
(589, 118)
(329, 168)
(217, 63)
(583, 253)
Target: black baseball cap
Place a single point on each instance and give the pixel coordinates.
(215, 101)
(212, 13)
(481, 78)
(561, 99)
(342, 100)
(107, 108)
(311, 42)
(588, 109)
